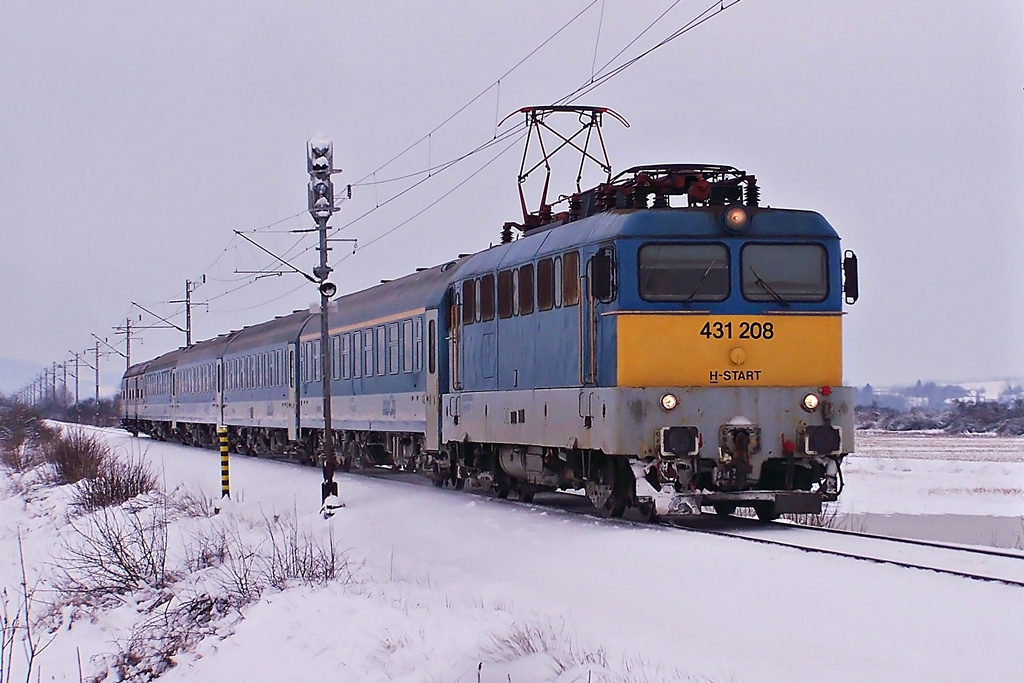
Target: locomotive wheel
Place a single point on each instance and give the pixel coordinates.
(648, 512)
(615, 506)
(724, 509)
(766, 512)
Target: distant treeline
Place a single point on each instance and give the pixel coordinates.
(107, 413)
(1004, 419)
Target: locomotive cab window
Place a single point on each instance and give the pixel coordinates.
(684, 272)
(784, 272)
(602, 275)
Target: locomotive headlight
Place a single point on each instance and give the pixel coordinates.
(669, 401)
(736, 218)
(810, 403)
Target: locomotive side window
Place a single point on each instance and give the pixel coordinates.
(784, 272)
(545, 285)
(505, 294)
(556, 274)
(571, 279)
(515, 292)
(526, 289)
(468, 302)
(487, 297)
(684, 272)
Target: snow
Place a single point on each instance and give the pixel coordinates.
(919, 473)
(451, 586)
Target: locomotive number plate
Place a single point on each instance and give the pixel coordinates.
(741, 330)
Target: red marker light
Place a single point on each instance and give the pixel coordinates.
(826, 391)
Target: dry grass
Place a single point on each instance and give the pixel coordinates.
(75, 455)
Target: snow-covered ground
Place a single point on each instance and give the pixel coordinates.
(448, 586)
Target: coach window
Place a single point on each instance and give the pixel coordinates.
(784, 272)
(468, 302)
(336, 357)
(684, 272)
(417, 333)
(318, 367)
(487, 297)
(505, 294)
(346, 356)
(571, 279)
(545, 285)
(407, 346)
(393, 350)
(368, 352)
(526, 289)
(381, 350)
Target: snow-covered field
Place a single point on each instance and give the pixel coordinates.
(447, 586)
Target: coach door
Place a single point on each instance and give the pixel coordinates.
(454, 339)
(433, 407)
(293, 396)
(218, 408)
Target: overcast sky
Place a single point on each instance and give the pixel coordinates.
(136, 136)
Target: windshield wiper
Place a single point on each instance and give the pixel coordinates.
(687, 300)
(767, 288)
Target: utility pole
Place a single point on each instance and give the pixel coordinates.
(127, 332)
(189, 288)
(78, 416)
(97, 368)
(320, 165)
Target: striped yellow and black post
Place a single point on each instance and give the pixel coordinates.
(225, 486)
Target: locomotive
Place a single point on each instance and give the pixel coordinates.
(666, 344)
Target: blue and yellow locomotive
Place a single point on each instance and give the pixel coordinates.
(661, 357)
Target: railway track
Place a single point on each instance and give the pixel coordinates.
(970, 562)
(982, 564)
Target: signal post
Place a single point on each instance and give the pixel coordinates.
(320, 165)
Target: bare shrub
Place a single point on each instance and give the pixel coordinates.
(543, 638)
(115, 481)
(116, 551)
(295, 555)
(243, 569)
(22, 434)
(76, 455)
(173, 626)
